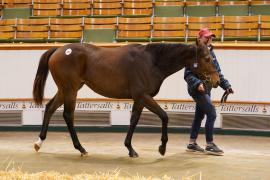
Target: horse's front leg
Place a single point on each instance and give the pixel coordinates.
(153, 106)
(69, 108)
(135, 116)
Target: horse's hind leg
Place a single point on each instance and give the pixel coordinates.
(51, 107)
(135, 116)
(153, 106)
(69, 108)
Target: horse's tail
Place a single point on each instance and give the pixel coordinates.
(41, 76)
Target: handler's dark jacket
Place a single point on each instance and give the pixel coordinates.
(193, 80)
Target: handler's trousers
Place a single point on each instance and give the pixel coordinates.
(204, 107)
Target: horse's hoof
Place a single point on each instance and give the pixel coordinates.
(133, 154)
(162, 150)
(84, 154)
(36, 147)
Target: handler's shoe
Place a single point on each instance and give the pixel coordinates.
(194, 147)
(213, 149)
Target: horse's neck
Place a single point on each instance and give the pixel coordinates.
(174, 58)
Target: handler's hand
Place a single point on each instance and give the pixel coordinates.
(201, 88)
(230, 90)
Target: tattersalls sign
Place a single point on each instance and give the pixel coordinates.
(127, 105)
(30, 110)
(90, 105)
(240, 108)
(9, 106)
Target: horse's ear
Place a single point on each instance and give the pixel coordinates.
(197, 41)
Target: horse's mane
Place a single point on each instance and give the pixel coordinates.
(168, 50)
(161, 49)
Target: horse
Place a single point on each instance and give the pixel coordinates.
(133, 71)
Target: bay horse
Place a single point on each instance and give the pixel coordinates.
(132, 71)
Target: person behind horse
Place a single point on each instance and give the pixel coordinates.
(200, 89)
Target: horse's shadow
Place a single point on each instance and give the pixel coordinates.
(124, 159)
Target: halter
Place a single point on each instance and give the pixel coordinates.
(205, 77)
(195, 64)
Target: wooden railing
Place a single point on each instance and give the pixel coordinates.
(226, 45)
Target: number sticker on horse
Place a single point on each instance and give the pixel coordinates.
(68, 51)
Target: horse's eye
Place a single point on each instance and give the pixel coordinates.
(208, 59)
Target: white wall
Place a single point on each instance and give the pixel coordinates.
(247, 70)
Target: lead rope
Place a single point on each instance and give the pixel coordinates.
(223, 98)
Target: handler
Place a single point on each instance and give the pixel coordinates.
(200, 91)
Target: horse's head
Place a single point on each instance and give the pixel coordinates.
(203, 64)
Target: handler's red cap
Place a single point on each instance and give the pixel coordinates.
(205, 32)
